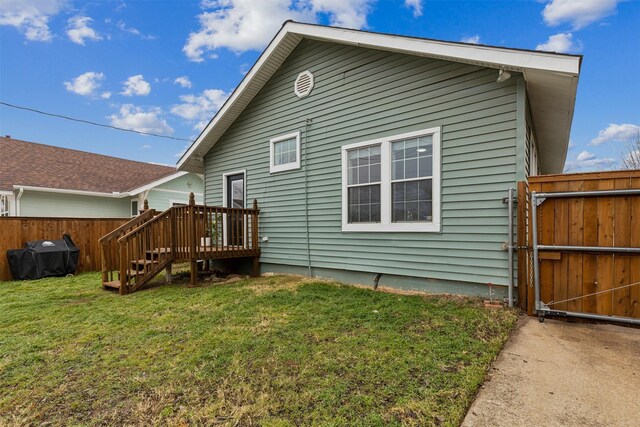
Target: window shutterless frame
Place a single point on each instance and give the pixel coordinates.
(134, 208)
(273, 168)
(386, 224)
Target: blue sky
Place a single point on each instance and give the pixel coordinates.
(166, 66)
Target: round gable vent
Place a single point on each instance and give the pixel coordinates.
(303, 84)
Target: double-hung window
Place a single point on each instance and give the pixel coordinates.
(284, 152)
(392, 184)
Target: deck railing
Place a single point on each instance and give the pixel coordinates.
(181, 234)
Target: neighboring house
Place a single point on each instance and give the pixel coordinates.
(378, 154)
(39, 180)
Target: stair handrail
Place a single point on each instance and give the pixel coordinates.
(132, 223)
(157, 217)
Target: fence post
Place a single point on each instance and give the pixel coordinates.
(192, 239)
(523, 251)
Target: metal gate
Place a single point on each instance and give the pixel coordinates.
(581, 257)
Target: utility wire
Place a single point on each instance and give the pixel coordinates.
(6, 104)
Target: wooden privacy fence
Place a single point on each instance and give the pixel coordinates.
(85, 232)
(600, 281)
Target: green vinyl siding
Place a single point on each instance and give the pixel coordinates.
(43, 204)
(177, 190)
(362, 94)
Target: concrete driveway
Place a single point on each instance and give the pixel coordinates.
(563, 374)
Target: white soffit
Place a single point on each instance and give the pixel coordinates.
(551, 83)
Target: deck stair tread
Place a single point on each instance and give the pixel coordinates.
(134, 273)
(115, 284)
(143, 261)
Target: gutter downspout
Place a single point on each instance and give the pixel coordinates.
(306, 194)
(18, 201)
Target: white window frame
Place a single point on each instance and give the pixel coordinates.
(7, 206)
(273, 168)
(385, 224)
(137, 207)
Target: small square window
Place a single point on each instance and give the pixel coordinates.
(284, 152)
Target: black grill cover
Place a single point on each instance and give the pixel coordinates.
(44, 258)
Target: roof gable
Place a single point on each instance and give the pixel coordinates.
(551, 81)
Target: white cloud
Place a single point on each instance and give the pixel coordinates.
(241, 25)
(585, 155)
(134, 31)
(471, 39)
(78, 30)
(136, 118)
(416, 5)
(183, 81)
(586, 161)
(200, 108)
(560, 43)
(30, 17)
(136, 85)
(86, 84)
(146, 146)
(105, 95)
(615, 132)
(579, 13)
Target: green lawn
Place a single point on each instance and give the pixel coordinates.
(272, 351)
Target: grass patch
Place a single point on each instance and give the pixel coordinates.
(271, 351)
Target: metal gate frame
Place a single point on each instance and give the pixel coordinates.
(543, 309)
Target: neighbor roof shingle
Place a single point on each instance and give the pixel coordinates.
(38, 165)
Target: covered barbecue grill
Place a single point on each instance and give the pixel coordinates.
(44, 258)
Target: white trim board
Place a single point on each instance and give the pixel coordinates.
(157, 182)
(551, 80)
(164, 190)
(76, 192)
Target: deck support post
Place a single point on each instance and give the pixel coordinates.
(168, 276)
(192, 239)
(255, 266)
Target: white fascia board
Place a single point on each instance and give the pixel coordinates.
(246, 81)
(488, 56)
(66, 191)
(157, 182)
(6, 193)
(499, 57)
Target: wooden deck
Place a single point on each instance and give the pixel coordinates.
(152, 242)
